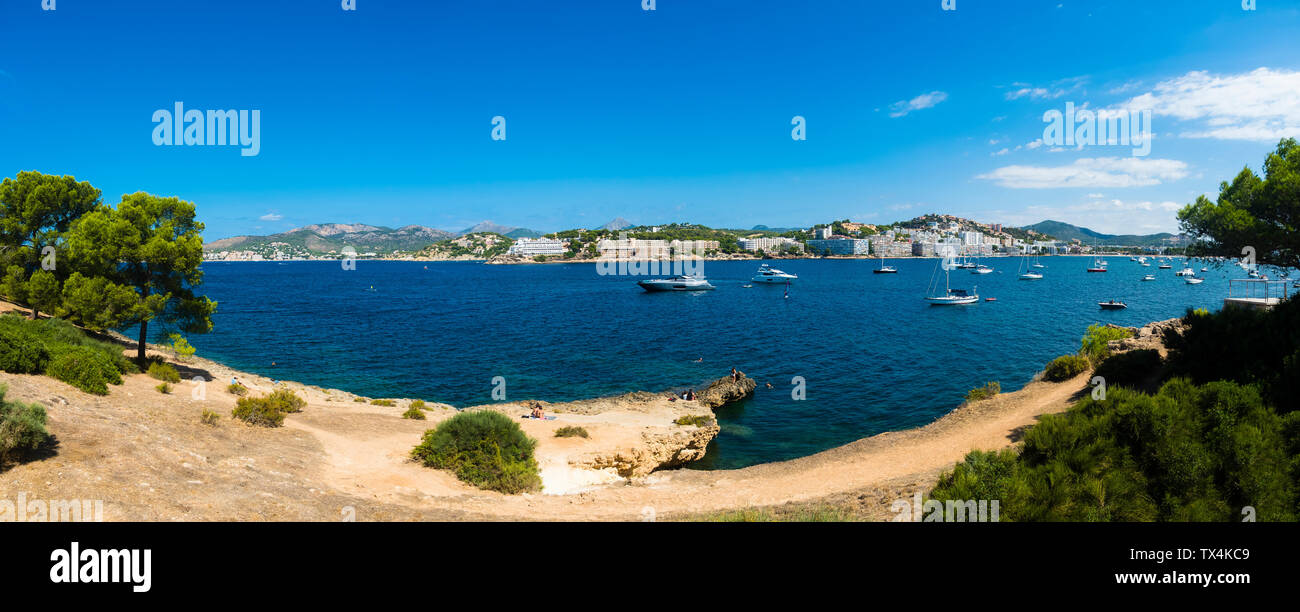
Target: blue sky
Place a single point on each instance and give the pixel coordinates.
(383, 115)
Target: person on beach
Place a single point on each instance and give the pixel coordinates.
(735, 376)
(537, 412)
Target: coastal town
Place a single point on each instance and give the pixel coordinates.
(925, 236)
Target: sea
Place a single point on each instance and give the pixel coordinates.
(847, 353)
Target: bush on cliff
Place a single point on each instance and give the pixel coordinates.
(1246, 346)
(22, 353)
(1095, 343)
(22, 429)
(1187, 453)
(486, 449)
(572, 432)
(268, 410)
(84, 368)
(413, 413)
(1065, 367)
(990, 389)
(1131, 369)
(164, 372)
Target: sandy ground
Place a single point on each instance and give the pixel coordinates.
(148, 457)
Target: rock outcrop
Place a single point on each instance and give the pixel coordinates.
(725, 390)
(1150, 336)
(660, 448)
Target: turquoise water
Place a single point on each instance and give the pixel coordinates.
(875, 356)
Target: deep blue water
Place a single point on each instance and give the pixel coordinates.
(875, 356)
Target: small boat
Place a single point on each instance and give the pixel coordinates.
(952, 297)
(676, 283)
(1098, 265)
(1097, 269)
(981, 269)
(1205, 269)
(1165, 266)
(884, 269)
(990, 299)
(768, 274)
(1186, 272)
(1192, 280)
(747, 286)
(1031, 275)
(1146, 264)
(1149, 277)
(1112, 305)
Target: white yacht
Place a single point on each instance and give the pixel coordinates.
(1192, 280)
(952, 297)
(1031, 275)
(884, 269)
(676, 283)
(1186, 272)
(1149, 277)
(982, 269)
(768, 274)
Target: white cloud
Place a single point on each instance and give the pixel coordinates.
(271, 217)
(1049, 92)
(923, 101)
(1259, 105)
(1091, 172)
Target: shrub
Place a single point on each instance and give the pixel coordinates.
(1095, 341)
(181, 347)
(1130, 369)
(359, 399)
(164, 388)
(22, 428)
(1065, 367)
(164, 372)
(236, 389)
(486, 449)
(85, 369)
(419, 404)
(209, 417)
(413, 413)
(571, 432)
(383, 402)
(258, 411)
(1187, 453)
(989, 389)
(22, 353)
(286, 401)
(697, 420)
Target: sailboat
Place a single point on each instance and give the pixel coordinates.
(952, 297)
(884, 269)
(1029, 274)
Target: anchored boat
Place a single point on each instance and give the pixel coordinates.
(676, 283)
(768, 274)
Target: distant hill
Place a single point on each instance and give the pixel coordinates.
(323, 238)
(1064, 231)
(504, 230)
(617, 223)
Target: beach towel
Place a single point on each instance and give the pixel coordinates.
(529, 416)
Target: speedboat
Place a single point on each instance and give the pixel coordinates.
(768, 274)
(1192, 280)
(1112, 305)
(954, 297)
(1031, 275)
(981, 269)
(1149, 277)
(1186, 272)
(1097, 269)
(1165, 266)
(676, 283)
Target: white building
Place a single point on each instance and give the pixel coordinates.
(972, 238)
(530, 247)
(769, 245)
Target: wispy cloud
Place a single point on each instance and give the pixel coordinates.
(1090, 172)
(923, 101)
(271, 217)
(1259, 105)
(1048, 92)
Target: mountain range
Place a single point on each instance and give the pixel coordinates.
(1067, 232)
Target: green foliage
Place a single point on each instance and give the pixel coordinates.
(1065, 367)
(181, 347)
(1093, 345)
(22, 428)
(1188, 453)
(1131, 369)
(360, 400)
(413, 413)
(236, 389)
(164, 388)
(418, 404)
(287, 401)
(486, 449)
(698, 420)
(382, 402)
(1246, 346)
(258, 411)
(571, 432)
(990, 389)
(84, 368)
(36, 212)
(149, 246)
(1251, 211)
(21, 352)
(164, 372)
(209, 417)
